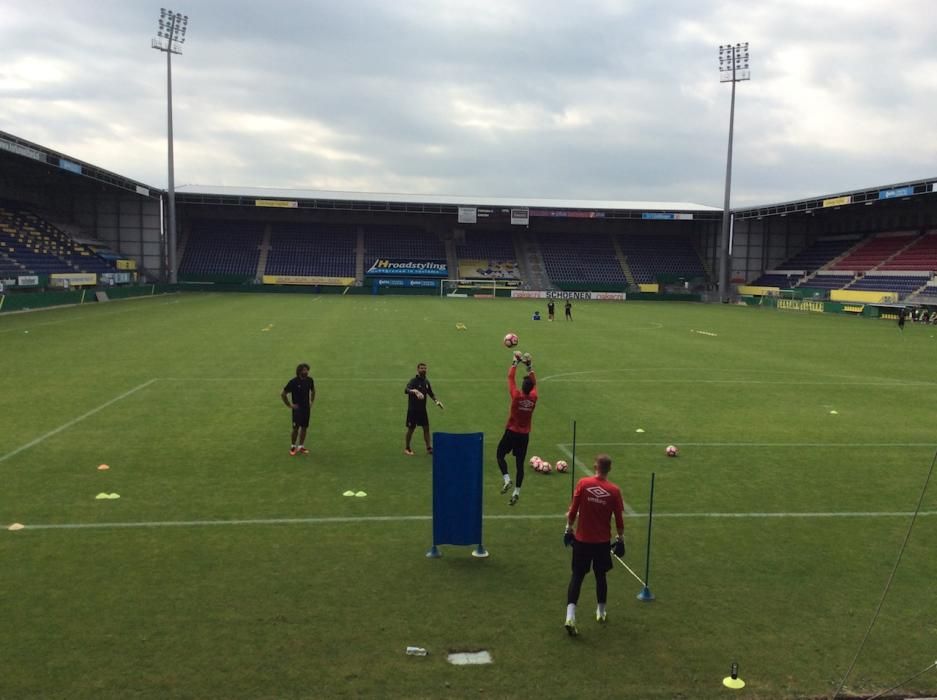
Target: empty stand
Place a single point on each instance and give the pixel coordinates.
(819, 253)
(873, 251)
(222, 248)
(401, 242)
(313, 250)
(904, 284)
(829, 280)
(920, 255)
(581, 257)
(487, 254)
(654, 256)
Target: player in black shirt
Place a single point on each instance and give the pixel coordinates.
(550, 309)
(417, 390)
(569, 310)
(302, 391)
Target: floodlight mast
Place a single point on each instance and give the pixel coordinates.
(733, 67)
(171, 33)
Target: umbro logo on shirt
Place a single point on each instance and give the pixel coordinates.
(598, 492)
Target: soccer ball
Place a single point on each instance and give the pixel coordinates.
(545, 467)
(561, 466)
(538, 467)
(672, 451)
(535, 461)
(511, 340)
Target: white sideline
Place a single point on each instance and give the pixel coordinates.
(837, 445)
(428, 518)
(69, 424)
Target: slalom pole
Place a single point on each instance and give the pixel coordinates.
(572, 466)
(645, 595)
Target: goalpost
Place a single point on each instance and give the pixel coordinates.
(469, 288)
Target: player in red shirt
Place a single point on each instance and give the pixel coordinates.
(517, 433)
(595, 501)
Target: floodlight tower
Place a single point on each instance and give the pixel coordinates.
(733, 67)
(171, 33)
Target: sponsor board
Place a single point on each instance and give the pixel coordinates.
(277, 203)
(801, 305)
(69, 166)
(143, 190)
(387, 267)
(126, 264)
(308, 280)
(564, 214)
(73, 279)
(582, 296)
(468, 215)
(488, 269)
(27, 281)
(896, 192)
(837, 201)
(406, 283)
(520, 217)
(21, 150)
(665, 216)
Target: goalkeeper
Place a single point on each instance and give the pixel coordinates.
(595, 500)
(517, 432)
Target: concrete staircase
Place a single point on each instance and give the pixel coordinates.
(623, 261)
(264, 252)
(530, 259)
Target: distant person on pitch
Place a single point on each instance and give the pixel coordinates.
(517, 433)
(569, 310)
(551, 307)
(417, 390)
(902, 314)
(595, 501)
(302, 392)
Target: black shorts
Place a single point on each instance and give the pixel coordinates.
(417, 417)
(301, 417)
(597, 555)
(514, 443)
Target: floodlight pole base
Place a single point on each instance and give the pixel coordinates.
(645, 596)
(480, 552)
(434, 553)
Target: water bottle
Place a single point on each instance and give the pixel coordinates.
(416, 651)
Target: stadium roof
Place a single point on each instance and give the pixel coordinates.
(437, 200)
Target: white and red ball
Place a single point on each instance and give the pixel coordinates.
(671, 451)
(535, 461)
(511, 340)
(562, 466)
(545, 467)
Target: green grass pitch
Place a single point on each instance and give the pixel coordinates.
(228, 569)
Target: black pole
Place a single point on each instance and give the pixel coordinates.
(572, 467)
(650, 518)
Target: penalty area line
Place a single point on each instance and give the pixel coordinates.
(69, 424)
(428, 518)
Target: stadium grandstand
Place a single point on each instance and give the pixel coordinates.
(67, 222)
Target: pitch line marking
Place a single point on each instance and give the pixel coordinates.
(69, 424)
(585, 470)
(428, 518)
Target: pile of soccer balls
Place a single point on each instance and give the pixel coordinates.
(545, 467)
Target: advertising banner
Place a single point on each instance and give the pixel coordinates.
(837, 201)
(520, 217)
(468, 215)
(308, 280)
(277, 203)
(665, 216)
(69, 166)
(142, 190)
(406, 283)
(896, 192)
(27, 281)
(387, 267)
(488, 269)
(564, 214)
(74, 279)
(582, 296)
(126, 264)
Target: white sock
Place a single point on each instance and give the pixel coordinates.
(571, 611)
(517, 491)
(293, 447)
(300, 445)
(601, 609)
(507, 479)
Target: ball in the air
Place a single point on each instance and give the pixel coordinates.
(672, 451)
(511, 340)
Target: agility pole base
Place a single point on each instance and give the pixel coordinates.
(645, 596)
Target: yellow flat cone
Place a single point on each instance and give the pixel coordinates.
(113, 496)
(101, 497)
(639, 430)
(361, 494)
(16, 526)
(349, 493)
(734, 683)
(103, 467)
(834, 413)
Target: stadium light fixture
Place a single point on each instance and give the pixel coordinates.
(733, 67)
(171, 37)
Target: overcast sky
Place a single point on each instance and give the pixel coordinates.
(593, 99)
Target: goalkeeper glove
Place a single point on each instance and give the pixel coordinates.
(568, 537)
(618, 547)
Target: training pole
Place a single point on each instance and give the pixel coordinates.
(572, 467)
(645, 595)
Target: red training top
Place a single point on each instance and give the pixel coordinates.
(595, 500)
(522, 405)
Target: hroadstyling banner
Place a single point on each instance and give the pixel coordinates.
(387, 267)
